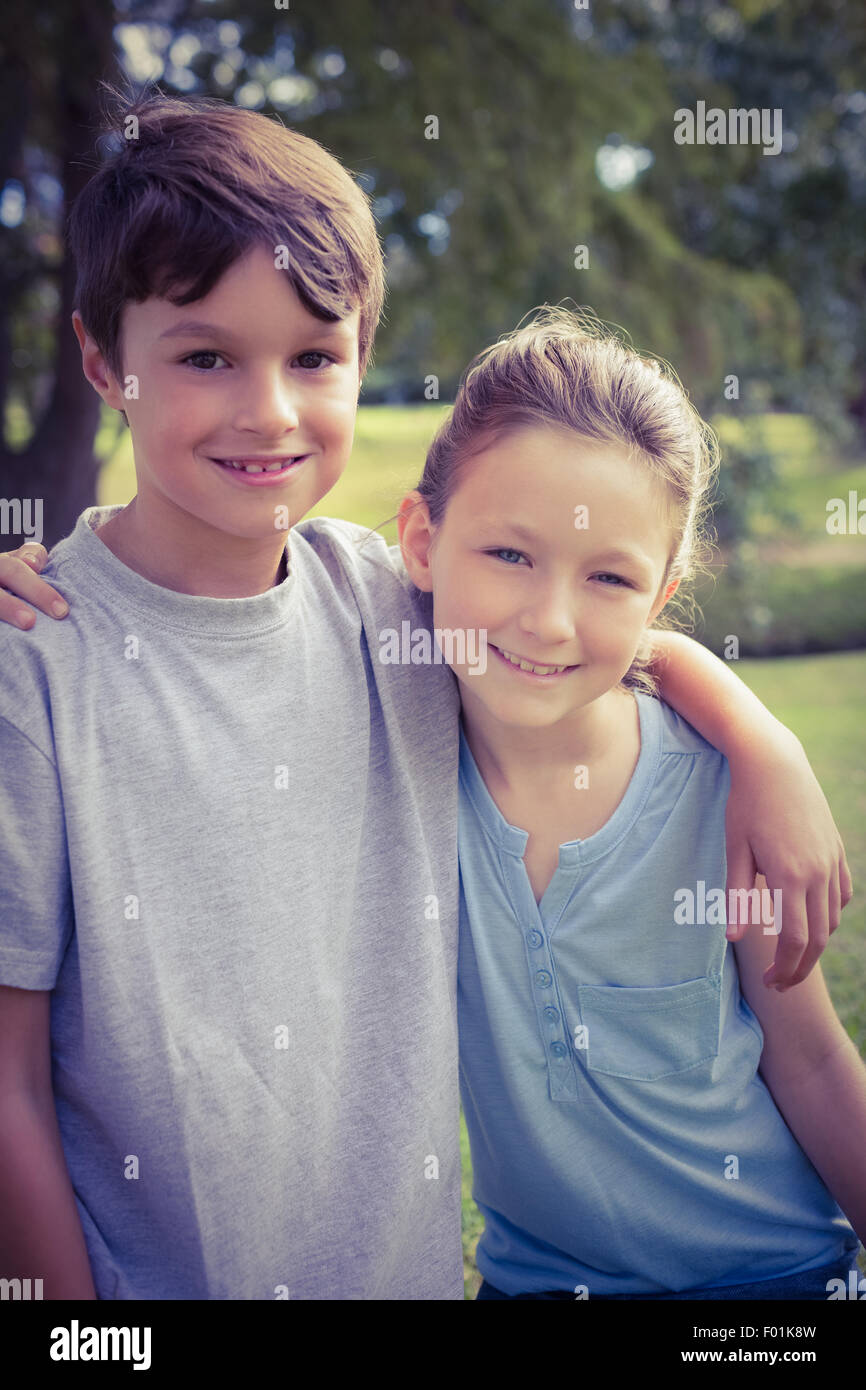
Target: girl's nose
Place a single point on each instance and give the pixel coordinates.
(551, 616)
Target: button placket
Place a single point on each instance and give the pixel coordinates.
(550, 1016)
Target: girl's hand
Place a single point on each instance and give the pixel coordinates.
(778, 823)
(18, 575)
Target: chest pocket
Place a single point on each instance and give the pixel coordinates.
(645, 1034)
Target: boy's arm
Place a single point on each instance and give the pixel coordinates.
(814, 1074)
(19, 570)
(40, 1229)
(778, 821)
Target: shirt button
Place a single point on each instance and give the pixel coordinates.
(551, 1013)
(559, 1049)
(543, 979)
(535, 940)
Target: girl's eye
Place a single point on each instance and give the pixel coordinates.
(504, 550)
(619, 582)
(210, 357)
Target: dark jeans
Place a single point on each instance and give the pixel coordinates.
(811, 1284)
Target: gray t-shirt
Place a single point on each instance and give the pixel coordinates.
(228, 844)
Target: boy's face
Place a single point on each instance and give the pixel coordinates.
(260, 380)
(550, 584)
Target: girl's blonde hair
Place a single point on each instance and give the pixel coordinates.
(567, 369)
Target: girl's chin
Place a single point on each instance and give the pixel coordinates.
(515, 713)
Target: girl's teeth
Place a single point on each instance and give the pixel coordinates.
(528, 666)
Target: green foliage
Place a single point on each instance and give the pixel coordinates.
(775, 611)
(717, 258)
(748, 481)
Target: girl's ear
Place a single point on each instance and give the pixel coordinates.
(669, 592)
(415, 531)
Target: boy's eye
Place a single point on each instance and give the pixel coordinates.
(195, 360)
(307, 355)
(205, 361)
(505, 550)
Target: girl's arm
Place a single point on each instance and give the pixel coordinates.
(778, 822)
(814, 1074)
(18, 575)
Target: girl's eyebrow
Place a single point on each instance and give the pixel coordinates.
(621, 557)
(525, 532)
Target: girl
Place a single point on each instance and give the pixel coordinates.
(624, 1144)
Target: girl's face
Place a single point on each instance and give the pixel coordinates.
(555, 546)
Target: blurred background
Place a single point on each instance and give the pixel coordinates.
(520, 153)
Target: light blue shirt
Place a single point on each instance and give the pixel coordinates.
(622, 1139)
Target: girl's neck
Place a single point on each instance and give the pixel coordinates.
(510, 758)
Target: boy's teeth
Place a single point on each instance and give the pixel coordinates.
(257, 467)
(528, 665)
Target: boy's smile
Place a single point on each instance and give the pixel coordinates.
(242, 414)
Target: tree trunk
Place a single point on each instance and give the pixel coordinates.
(58, 465)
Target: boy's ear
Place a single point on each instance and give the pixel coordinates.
(95, 367)
(416, 534)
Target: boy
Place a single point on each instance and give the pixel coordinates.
(227, 1021)
(252, 1022)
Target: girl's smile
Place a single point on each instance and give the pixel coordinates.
(535, 671)
(555, 599)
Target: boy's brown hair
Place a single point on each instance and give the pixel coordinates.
(191, 185)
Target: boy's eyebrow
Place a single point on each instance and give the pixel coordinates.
(197, 328)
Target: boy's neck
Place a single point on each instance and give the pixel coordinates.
(178, 552)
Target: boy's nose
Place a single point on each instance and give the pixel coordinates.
(268, 406)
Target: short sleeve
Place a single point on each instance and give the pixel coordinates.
(36, 917)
